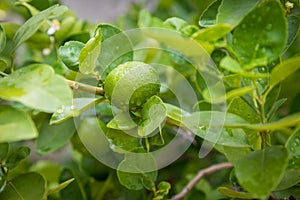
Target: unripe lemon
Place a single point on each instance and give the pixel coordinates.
(129, 85)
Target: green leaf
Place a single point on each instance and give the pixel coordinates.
(32, 10)
(123, 142)
(4, 148)
(112, 53)
(60, 186)
(146, 20)
(291, 177)
(22, 188)
(233, 154)
(236, 8)
(69, 54)
(153, 115)
(17, 156)
(174, 114)
(283, 70)
(2, 39)
(53, 137)
(50, 170)
(3, 65)
(213, 33)
(235, 194)
(89, 54)
(139, 179)
(15, 125)
(208, 17)
(37, 87)
(79, 106)
(198, 123)
(163, 189)
(75, 189)
(239, 107)
(261, 36)
(293, 146)
(34, 23)
(293, 28)
(232, 65)
(122, 121)
(262, 170)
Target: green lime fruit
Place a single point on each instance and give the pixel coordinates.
(129, 85)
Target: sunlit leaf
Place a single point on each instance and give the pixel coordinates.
(89, 54)
(283, 70)
(37, 87)
(15, 125)
(33, 24)
(293, 146)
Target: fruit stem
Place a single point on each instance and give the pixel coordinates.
(84, 87)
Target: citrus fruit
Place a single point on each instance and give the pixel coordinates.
(129, 85)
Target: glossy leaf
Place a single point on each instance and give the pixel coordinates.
(79, 106)
(235, 194)
(37, 87)
(232, 65)
(89, 54)
(236, 8)
(32, 25)
(15, 125)
(123, 142)
(140, 179)
(213, 33)
(283, 70)
(208, 17)
(153, 115)
(53, 137)
(116, 49)
(261, 36)
(2, 39)
(261, 171)
(17, 156)
(198, 122)
(21, 188)
(69, 54)
(75, 189)
(122, 121)
(293, 146)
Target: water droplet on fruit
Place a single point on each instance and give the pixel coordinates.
(253, 16)
(244, 26)
(268, 9)
(269, 27)
(234, 41)
(256, 47)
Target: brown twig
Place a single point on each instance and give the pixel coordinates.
(197, 178)
(84, 87)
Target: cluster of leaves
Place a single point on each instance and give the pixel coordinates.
(254, 46)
